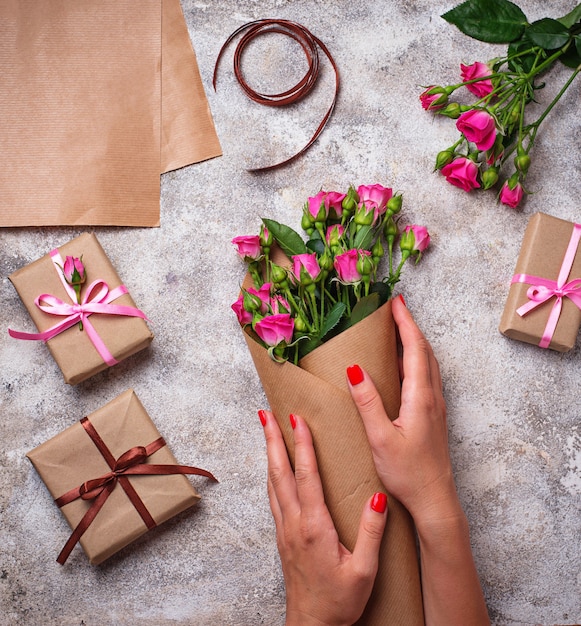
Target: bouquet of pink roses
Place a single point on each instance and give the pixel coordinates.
(323, 286)
(309, 310)
(494, 128)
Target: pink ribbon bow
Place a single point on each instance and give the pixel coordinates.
(543, 289)
(96, 299)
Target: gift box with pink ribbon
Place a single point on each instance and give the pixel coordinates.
(544, 301)
(81, 309)
(113, 477)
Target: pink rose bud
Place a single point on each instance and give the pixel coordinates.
(421, 238)
(275, 329)
(346, 266)
(334, 202)
(374, 196)
(305, 268)
(74, 271)
(248, 247)
(433, 98)
(511, 192)
(334, 234)
(244, 317)
(316, 208)
(479, 127)
(462, 172)
(483, 87)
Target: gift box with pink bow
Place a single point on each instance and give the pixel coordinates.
(544, 301)
(81, 309)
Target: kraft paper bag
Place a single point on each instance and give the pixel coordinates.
(98, 99)
(317, 391)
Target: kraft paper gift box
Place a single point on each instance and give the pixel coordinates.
(72, 349)
(543, 306)
(71, 458)
(317, 391)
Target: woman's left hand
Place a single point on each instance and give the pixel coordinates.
(325, 583)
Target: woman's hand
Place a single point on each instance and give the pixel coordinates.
(325, 583)
(412, 459)
(411, 453)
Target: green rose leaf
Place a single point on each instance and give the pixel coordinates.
(548, 34)
(316, 245)
(572, 58)
(571, 18)
(493, 21)
(288, 239)
(363, 238)
(331, 320)
(366, 306)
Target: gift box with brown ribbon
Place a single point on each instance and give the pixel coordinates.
(543, 306)
(88, 336)
(113, 477)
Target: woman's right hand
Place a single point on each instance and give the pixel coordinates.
(411, 452)
(412, 459)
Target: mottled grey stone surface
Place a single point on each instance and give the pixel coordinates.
(513, 408)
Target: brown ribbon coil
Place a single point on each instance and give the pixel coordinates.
(310, 45)
(130, 463)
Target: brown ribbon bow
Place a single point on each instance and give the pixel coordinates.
(130, 463)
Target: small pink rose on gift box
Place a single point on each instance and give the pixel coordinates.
(275, 329)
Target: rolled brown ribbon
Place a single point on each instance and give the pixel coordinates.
(310, 45)
(130, 463)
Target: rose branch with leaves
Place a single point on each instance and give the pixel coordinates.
(495, 129)
(328, 283)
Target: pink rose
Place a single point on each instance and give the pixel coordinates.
(275, 329)
(462, 173)
(421, 237)
(279, 304)
(479, 127)
(248, 247)
(511, 197)
(74, 271)
(482, 88)
(433, 100)
(346, 265)
(319, 206)
(244, 317)
(306, 263)
(334, 202)
(333, 234)
(374, 197)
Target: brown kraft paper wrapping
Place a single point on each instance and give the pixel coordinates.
(71, 458)
(72, 349)
(318, 392)
(542, 251)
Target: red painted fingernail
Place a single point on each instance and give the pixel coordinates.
(293, 421)
(262, 417)
(379, 502)
(355, 374)
(402, 300)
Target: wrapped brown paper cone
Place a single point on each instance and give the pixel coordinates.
(318, 392)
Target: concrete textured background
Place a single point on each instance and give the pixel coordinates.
(513, 408)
